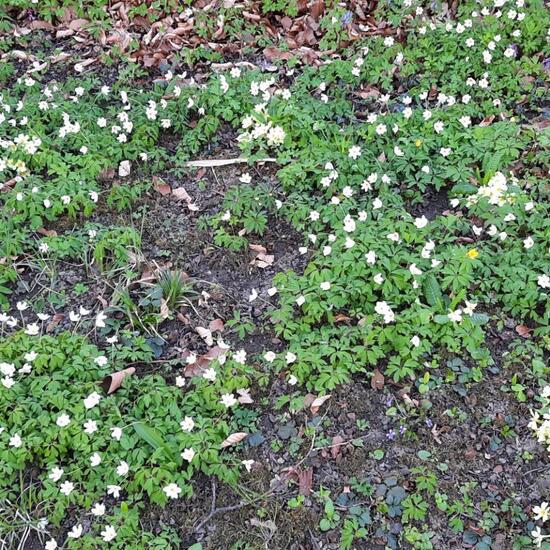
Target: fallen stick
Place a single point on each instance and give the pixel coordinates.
(222, 162)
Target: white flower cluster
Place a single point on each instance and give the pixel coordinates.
(540, 424)
(496, 192)
(259, 127)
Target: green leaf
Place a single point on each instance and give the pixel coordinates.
(432, 291)
(441, 319)
(464, 189)
(153, 437)
(479, 318)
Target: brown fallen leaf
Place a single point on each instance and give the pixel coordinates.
(56, 319)
(318, 402)
(377, 380)
(487, 120)
(112, 382)
(161, 187)
(523, 331)
(216, 325)
(38, 24)
(47, 232)
(233, 439)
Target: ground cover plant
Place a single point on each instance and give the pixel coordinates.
(268, 296)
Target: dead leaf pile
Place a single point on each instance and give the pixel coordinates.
(160, 34)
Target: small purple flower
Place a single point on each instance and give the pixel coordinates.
(402, 430)
(347, 18)
(546, 64)
(429, 422)
(389, 401)
(391, 435)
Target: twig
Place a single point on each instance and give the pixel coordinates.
(223, 162)
(214, 511)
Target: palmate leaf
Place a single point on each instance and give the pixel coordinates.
(432, 291)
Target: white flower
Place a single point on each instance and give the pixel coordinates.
(123, 468)
(228, 399)
(245, 178)
(370, 256)
(55, 474)
(414, 270)
(247, 464)
(180, 381)
(382, 308)
(253, 295)
(270, 356)
(378, 279)
(438, 127)
(75, 532)
(95, 460)
(98, 509)
(455, 316)
(15, 441)
(8, 382)
(543, 281)
(240, 357)
(66, 488)
(63, 420)
(528, 242)
(470, 307)
(393, 237)
(290, 357)
(325, 285)
(92, 400)
(292, 380)
(209, 374)
(354, 152)
(32, 329)
(116, 433)
(90, 427)
(50, 545)
(172, 491)
(187, 424)
(415, 341)
(100, 320)
(124, 168)
(300, 300)
(542, 512)
(421, 222)
(188, 454)
(113, 490)
(108, 534)
(101, 361)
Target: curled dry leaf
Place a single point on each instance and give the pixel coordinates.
(318, 403)
(206, 335)
(112, 382)
(233, 439)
